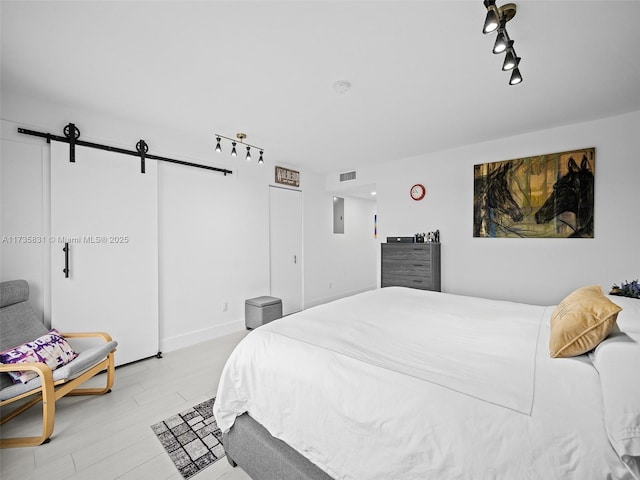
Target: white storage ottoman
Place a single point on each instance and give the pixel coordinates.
(261, 310)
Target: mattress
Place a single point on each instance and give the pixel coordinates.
(408, 384)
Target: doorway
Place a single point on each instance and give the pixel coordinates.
(285, 247)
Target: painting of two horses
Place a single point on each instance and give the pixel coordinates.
(546, 196)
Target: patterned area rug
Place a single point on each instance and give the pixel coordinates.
(191, 438)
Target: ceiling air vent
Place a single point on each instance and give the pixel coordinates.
(347, 176)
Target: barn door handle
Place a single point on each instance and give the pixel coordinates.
(66, 259)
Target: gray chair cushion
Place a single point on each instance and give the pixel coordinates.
(84, 360)
(13, 291)
(18, 322)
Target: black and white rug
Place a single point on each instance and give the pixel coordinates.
(191, 438)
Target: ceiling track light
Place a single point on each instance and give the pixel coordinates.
(496, 20)
(240, 138)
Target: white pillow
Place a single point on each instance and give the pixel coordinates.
(617, 360)
(629, 317)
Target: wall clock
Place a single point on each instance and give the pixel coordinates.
(418, 191)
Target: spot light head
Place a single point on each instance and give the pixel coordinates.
(492, 20)
(516, 77)
(502, 42)
(511, 60)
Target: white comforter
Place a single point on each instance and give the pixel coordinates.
(423, 385)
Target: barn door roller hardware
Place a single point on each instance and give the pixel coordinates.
(142, 149)
(72, 137)
(72, 133)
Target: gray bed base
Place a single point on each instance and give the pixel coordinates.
(264, 457)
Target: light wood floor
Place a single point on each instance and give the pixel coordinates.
(110, 437)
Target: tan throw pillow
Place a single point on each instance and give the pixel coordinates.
(581, 321)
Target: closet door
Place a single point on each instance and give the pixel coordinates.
(285, 246)
(105, 210)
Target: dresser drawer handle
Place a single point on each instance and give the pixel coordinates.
(417, 281)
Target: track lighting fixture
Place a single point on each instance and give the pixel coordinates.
(496, 19)
(234, 142)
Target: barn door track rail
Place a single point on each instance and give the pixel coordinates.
(72, 137)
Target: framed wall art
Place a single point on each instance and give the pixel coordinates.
(546, 196)
(286, 176)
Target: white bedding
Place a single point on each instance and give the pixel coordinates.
(417, 417)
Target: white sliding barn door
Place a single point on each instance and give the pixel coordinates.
(285, 245)
(107, 212)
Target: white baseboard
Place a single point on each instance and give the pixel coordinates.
(199, 336)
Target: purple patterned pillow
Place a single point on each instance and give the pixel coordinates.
(51, 349)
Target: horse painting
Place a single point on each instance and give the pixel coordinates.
(493, 203)
(573, 193)
(544, 196)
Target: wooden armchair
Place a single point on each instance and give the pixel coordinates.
(19, 325)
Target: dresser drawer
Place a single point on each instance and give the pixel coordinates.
(391, 280)
(418, 268)
(404, 252)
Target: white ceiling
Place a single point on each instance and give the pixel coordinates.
(422, 73)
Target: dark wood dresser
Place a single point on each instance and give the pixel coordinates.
(415, 265)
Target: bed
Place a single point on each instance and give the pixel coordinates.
(397, 383)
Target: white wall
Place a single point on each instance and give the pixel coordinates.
(23, 247)
(214, 249)
(213, 230)
(539, 271)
